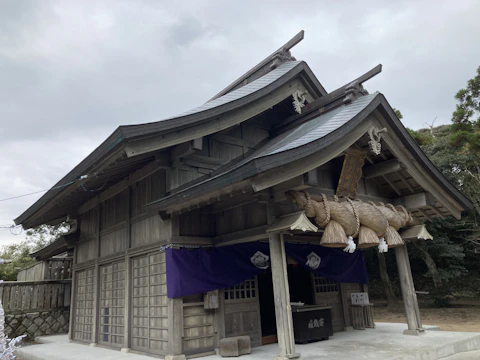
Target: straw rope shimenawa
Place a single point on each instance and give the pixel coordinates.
(345, 220)
(395, 222)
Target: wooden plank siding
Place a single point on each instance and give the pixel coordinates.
(240, 218)
(53, 269)
(32, 296)
(198, 328)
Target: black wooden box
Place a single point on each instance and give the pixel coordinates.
(312, 323)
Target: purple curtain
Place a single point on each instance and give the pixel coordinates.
(201, 270)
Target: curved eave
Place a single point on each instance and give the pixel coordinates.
(252, 92)
(257, 167)
(112, 149)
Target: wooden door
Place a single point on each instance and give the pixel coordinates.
(242, 311)
(149, 304)
(112, 304)
(83, 305)
(327, 292)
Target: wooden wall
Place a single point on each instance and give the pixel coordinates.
(238, 218)
(121, 222)
(53, 269)
(242, 311)
(118, 265)
(198, 328)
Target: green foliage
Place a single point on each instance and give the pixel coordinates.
(19, 252)
(398, 113)
(468, 107)
(421, 136)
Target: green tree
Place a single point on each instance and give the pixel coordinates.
(19, 252)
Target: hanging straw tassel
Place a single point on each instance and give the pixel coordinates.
(382, 246)
(334, 235)
(367, 238)
(351, 247)
(393, 238)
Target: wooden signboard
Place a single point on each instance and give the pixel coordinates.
(351, 173)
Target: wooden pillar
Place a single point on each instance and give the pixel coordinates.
(283, 310)
(408, 292)
(96, 281)
(127, 324)
(96, 302)
(175, 316)
(175, 326)
(73, 297)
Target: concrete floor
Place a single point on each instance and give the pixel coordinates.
(384, 342)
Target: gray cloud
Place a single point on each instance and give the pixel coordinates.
(72, 71)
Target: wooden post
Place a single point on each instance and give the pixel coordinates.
(128, 279)
(408, 292)
(175, 316)
(175, 326)
(283, 311)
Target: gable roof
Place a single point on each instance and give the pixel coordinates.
(305, 140)
(112, 150)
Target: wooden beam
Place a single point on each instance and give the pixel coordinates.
(405, 182)
(226, 139)
(415, 201)
(113, 190)
(392, 185)
(425, 215)
(249, 235)
(226, 120)
(205, 159)
(198, 164)
(436, 211)
(382, 168)
(191, 240)
(415, 170)
(181, 150)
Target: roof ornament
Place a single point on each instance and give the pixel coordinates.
(353, 90)
(299, 98)
(280, 57)
(375, 138)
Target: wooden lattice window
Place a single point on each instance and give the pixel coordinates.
(83, 319)
(325, 285)
(244, 290)
(112, 303)
(150, 305)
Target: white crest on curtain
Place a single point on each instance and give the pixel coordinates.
(260, 260)
(313, 261)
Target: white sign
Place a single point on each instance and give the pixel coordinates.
(360, 298)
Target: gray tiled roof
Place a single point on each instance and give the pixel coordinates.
(219, 105)
(244, 90)
(316, 128)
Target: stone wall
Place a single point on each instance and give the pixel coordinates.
(35, 324)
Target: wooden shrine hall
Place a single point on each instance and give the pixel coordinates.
(234, 217)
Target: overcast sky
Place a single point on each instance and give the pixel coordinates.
(72, 71)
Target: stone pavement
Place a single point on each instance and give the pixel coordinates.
(383, 343)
